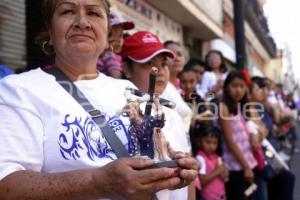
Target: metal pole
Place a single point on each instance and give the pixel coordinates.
(239, 16)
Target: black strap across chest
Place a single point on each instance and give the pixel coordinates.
(96, 114)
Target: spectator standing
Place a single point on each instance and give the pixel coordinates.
(142, 51)
(172, 91)
(110, 63)
(216, 72)
(199, 68)
(237, 151)
(213, 173)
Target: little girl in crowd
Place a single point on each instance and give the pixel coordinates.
(213, 173)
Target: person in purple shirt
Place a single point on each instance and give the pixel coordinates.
(110, 62)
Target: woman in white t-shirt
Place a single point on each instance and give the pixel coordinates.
(213, 78)
(50, 146)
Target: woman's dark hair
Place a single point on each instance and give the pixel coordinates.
(227, 100)
(192, 63)
(223, 67)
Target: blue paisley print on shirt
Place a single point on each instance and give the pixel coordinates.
(83, 138)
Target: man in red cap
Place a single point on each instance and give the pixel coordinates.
(142, 51)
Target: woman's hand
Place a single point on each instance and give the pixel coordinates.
(249, 175)
(188, 168)
(133, 178)
(254, 141)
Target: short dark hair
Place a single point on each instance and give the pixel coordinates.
(257, 80)
(185, 70)
(192, 63)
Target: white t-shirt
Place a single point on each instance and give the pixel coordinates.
(202, 162)
(44, 129)
(185, 112)
(209, 81)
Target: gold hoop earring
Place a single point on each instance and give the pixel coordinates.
(111, 48)
(47, 49)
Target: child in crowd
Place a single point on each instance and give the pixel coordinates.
(188, 82)
(202, 110)
(198, 67)
(213, 173)
(110, 62)
(237, 149)
(215, 74)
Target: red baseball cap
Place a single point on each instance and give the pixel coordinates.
(142, 46)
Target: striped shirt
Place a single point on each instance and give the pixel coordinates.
(109, 61)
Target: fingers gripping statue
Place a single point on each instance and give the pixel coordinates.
(145, 128)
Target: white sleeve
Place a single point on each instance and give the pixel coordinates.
(205, 84)
(175, 132)
(201, 160)
(21, 140)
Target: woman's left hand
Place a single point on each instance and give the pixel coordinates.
(188, 168)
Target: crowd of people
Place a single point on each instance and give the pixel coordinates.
(229, 133)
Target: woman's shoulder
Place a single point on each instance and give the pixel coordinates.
(25, 89)
(27, 79)
(115, 82)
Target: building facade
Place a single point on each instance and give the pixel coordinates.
(205, 25)
(199, 25)
(12, 33)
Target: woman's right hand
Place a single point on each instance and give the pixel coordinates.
(133, 178)
(249, 175)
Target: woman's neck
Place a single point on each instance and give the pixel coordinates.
(217, 71)
(77, 69)
(173, 79)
